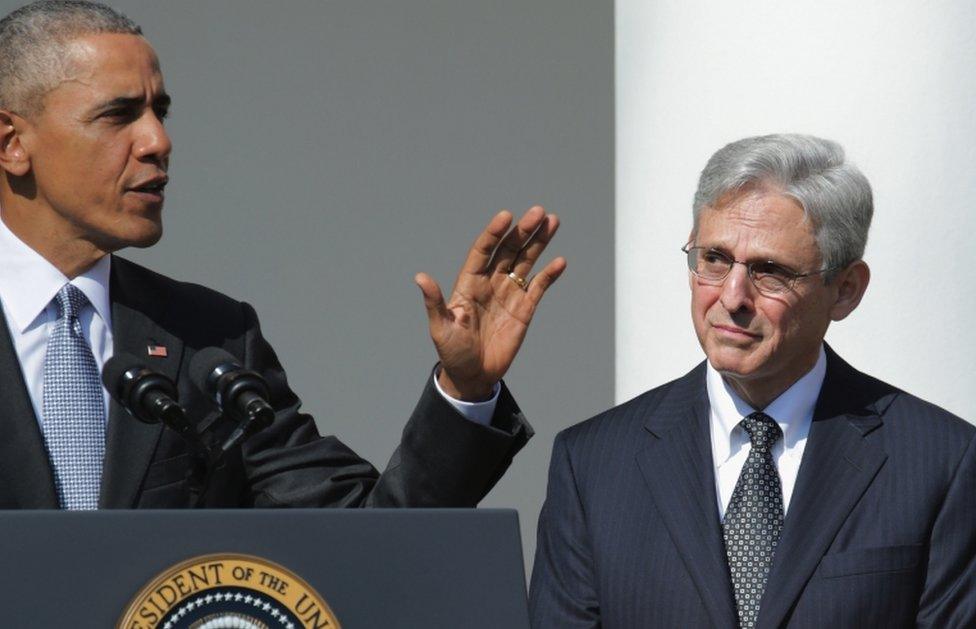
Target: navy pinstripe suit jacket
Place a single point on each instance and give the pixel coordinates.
(881, 530)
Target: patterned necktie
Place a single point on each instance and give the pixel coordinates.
(73, 406)
(754, 518)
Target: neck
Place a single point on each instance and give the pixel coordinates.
(53, 239)
(760, 392)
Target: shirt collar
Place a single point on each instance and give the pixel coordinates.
(792, 410)
(28, 282)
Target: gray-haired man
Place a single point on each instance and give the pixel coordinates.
(774, 485)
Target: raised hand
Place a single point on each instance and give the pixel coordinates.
(479, 330)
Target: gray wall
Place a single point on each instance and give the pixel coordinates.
(327, 151)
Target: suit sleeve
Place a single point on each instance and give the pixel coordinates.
(949, 596)
(443, 459)
(563, 592)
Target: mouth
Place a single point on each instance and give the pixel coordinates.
(732, 331)
(151, 189)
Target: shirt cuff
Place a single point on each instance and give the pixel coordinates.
(478, 412)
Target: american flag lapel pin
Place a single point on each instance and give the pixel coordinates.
(159, 351)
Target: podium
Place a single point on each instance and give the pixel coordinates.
(374, 568)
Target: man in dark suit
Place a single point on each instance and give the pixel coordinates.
(774, 485)
(83, 161)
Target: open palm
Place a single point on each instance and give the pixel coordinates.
(479, 330)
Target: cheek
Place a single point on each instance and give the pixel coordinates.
(814, 321)
(112, 153)
(93, 157)
(703, 299)
(780, 320)
(67, 163)
(699, 305)
(104, 177)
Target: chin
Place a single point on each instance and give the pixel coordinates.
(733, 361)
(140, 237)
(147, 240)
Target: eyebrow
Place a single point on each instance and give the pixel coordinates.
(162, 100)
(753, 259)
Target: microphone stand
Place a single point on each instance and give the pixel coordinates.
(207, 451)
(202, 461)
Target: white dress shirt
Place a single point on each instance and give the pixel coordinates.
(28, 284)
(792, 410)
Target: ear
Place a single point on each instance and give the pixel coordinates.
(14, 157)
(850, 285)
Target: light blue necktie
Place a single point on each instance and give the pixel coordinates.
(74, 408)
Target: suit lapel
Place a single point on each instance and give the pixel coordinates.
(838, 466)
(677, 467)
(28, 482)
(130, 443)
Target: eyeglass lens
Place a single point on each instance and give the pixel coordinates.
(712, 265)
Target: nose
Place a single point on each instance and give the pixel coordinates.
(737, 290)
(152, 143)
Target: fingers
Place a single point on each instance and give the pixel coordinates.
(513, 242)
(433, 299)
(543, 280)
(487, 241)
(531, 251)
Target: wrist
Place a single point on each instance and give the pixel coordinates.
(465, 391)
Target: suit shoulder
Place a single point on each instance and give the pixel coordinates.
(159, 283)
(923, 442)
(909, 413)
(199, 315)
(847, 388)
(624, 420)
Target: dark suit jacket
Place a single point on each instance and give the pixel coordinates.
(880, 532)
(443, 459)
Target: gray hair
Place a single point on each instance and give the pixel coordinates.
(835, 195)
(33, 46)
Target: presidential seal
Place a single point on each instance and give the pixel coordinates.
(228, 591)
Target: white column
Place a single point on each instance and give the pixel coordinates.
(894, 82)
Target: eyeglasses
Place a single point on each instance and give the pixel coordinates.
(769, 277)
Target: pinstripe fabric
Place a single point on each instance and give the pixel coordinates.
(880, 532)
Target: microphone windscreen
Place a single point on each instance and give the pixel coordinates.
(205, 361)
(113, 370)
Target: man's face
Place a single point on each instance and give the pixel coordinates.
(757, 340)
(98, 150)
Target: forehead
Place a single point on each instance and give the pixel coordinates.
(759, 222)
(110, 64)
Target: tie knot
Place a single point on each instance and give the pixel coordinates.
(70, 301)
(763, 431)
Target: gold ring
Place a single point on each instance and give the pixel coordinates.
(520, 281)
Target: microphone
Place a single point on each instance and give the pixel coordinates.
(239, 392)
(147, 395)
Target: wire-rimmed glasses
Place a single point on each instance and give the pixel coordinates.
(769, 277)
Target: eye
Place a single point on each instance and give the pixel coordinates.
(714, 257)
(771, 269)
(120, 114)
(712, 265)
(772, 278)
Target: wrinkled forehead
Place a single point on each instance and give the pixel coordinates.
(764, 222)
(111, 61)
